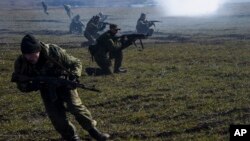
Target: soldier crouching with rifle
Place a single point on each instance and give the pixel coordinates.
(108, 47)
(143, 26)
(49, 69)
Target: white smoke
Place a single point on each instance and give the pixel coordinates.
(189, 7)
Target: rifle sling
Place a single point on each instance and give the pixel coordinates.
(59, 65)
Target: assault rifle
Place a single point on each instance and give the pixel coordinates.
(105, 23)
(54, 82)
(127, 39)
(102, 25)
(51, 83)
(153, 22)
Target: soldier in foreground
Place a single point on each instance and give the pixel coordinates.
(68, 10)
(143, 26)
(76, 25)
(45, 8)
(92, 29)
(39, 59)
(108, 47)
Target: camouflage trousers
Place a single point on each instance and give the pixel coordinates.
(56, 111)
(146, 31)
(105, 63)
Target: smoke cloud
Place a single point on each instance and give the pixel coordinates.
(189, 7)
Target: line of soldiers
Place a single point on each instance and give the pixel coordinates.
(39, 59)
(66, 7)
(97, 24)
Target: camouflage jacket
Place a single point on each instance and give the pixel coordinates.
(46, 67)
(92, 27)
(107, 43)
(143, 25)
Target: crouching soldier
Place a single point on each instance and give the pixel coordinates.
(92, 30)
(48, 60)
(143, 26)
(76, 25)
(108, 46)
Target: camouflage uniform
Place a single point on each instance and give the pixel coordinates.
(56, 109)
(108, 47)
(68, 10)
(143, 26)
(76, 25)
(45, 8)
(92, 28)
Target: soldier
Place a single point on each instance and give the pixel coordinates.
(143, 26)
(109, 47)
(68, 10)
(45, 8)
(76, 25)
(39, 59)
(92, 29)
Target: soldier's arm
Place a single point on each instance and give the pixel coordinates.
(93, 26)
(143, 23)
(112, 45)
(73, 64)
(22, 85)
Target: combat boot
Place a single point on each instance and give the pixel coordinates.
(120, 70)
(94, 133)
(74, 138)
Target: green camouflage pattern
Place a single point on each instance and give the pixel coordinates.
(91, 31)
(108, 47)
(56, 109)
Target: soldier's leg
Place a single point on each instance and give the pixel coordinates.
(82, 114)
(71, 27)
(118, 55)
(104, 64)
(75, 107)
(89, 37)
(80, 28)
(150, 32)
(57, 115)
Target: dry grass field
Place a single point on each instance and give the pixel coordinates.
(191, 82)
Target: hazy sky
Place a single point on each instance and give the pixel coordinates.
(192, 7)
(239, 0)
